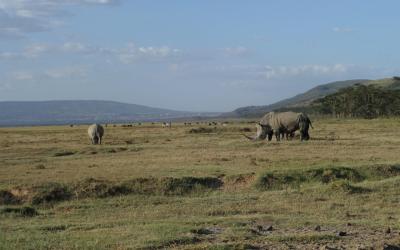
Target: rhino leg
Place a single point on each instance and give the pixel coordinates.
(270, 134)
(304, 136)
(278, 135)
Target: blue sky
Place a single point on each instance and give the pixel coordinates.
(191, 55)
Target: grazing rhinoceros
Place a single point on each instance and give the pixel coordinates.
(96, 132)
(282, 123)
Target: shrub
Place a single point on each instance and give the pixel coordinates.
(51, 192)
(22, 211)
(7, 198)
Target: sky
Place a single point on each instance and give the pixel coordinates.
(191, 55)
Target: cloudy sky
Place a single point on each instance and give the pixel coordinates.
(191, 55)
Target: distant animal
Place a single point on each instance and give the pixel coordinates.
(95, 132)
(283, 123)
(166, 124)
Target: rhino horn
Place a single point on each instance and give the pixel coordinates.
(260, 133)
(250, 138)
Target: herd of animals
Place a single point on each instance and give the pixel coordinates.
(280, 124)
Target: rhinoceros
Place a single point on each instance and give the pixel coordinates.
(282, 123)
(95, 132)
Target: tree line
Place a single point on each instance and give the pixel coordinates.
(367, 101)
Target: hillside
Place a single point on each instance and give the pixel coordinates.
(79, 111)
(306, 98)
(360, 100)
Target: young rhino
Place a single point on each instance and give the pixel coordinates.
(95, 132)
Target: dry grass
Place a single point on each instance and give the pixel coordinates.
(346, 174)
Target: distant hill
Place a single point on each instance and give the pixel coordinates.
(79, 111)
(306, 98)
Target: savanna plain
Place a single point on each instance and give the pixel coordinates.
(201, 187)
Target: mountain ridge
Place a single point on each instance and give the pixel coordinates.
(83, 111)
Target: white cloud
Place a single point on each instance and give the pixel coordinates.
(35, 50)
(128, 54)
(67, 72)
(131, 53)
(77, 47)
(54, 73)
(342, 30)
(20, 17)
(9, 55)
(236, 51)
(30, 51)
(22, 76)
(270, 72)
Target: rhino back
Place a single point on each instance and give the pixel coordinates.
(289, 120)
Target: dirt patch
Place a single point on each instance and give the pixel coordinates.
(202, 130)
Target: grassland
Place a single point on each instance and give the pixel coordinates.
(149, 187)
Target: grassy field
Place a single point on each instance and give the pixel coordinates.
(149, 187)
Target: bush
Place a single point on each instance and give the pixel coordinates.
(51, 192)
(279, 180)
(7, 198)
(22, 211)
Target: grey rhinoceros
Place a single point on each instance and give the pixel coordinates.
(95, 132)
(282, 123)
